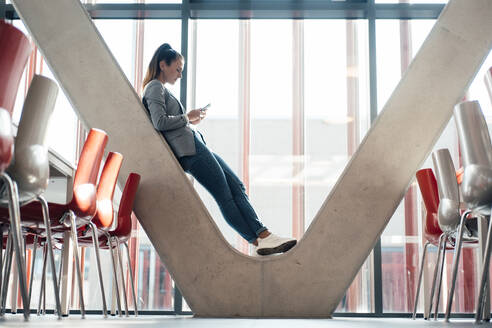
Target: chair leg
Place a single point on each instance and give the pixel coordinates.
(421, 270)
(434, 279)
(1, 257)
(135, 303)
(439, 281)
(484, 275)
(456, 260)
(14, 288)
(33, 262)
(65, 273)
(115, 276)
(43, 278)
(77, 262)
(123, 285)
(95, 240)
(49, 242)
(44, 296)
(14, 213)
(6, 274)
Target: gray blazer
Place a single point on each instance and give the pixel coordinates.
(169, 117)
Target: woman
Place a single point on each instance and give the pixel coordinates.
(171, 119)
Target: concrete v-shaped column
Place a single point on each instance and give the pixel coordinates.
(310, 280)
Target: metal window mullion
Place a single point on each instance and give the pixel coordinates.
(192, 60)
(377, 273)
(410, 199)
(185, 17)
(298, 129)
(134, 241)
(259, 9)
(152, 273)
(244, 109)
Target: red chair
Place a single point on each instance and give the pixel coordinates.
(124, 229)
(432, 232)
(121, 234)
(104, 216)
(15, 49)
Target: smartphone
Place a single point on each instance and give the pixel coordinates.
(203, 109)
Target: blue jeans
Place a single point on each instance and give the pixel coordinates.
(227, 189)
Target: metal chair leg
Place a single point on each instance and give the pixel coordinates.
(135, 303)
(33, 262)
(421, 270)
(439, 281)
(95, 240)
(1, 258)
(456, 259)
(123, 285)
(115, 275)
(6, 274)
(14, 288)
(434, 279)
(14, 213)
(49, 242)
(484, 275)
(77, 262)
(43, 278)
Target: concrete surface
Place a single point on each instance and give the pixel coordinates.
(310, 280)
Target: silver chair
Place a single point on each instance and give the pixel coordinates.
(30, 166)
(477, 178)
(450, 221)
(12, 220)
(448, 217)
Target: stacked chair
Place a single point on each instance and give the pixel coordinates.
(441, 199)
(24, 169)
(112, 239)
(30, 171)
(477, 180)
(432, 232)
(79, 210)
(459, 209)
(15, 49)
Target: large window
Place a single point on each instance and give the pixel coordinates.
(290, 103)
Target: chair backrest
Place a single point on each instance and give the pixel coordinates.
(124, 224)
(30, 167)
(15, 49)
(83, 201)
(105, 190)
(428, 188)
(449, 196)
(6, 139)
(476, 150)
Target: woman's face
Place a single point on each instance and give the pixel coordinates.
(172, 72)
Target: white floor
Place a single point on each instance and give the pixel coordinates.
(95, 321)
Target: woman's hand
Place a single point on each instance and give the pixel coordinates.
(195, 116)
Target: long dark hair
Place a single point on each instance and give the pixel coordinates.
(164, 52)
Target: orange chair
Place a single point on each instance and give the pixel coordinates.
(104, 216)
(82, 207)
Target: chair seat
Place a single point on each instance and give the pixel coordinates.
(31, 215)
